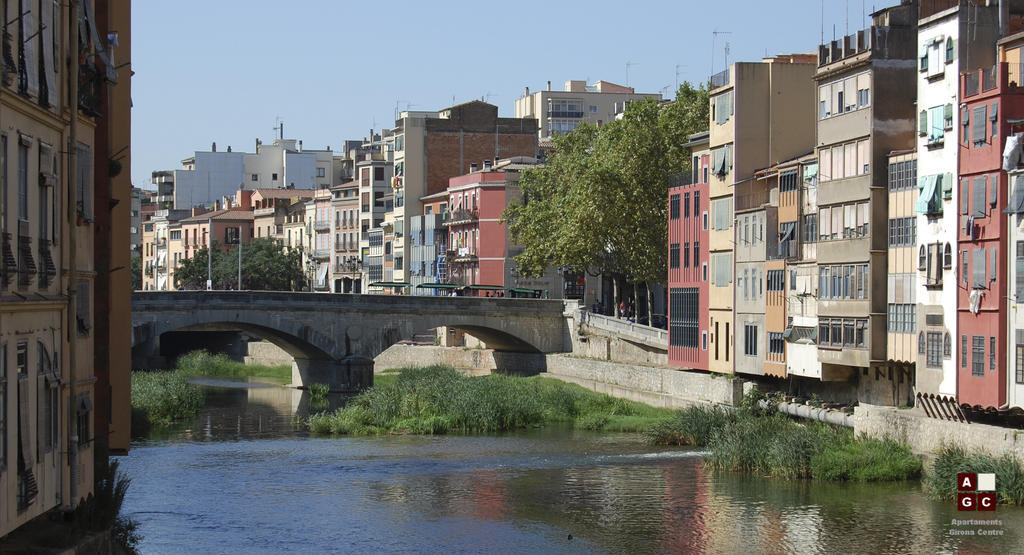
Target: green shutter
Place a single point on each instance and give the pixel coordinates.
(922, 123)
(950, 49)
(948, 117)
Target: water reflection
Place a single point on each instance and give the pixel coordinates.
(241, 478)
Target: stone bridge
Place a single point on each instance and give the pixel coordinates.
(335, 337)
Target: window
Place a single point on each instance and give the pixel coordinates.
(320, 172)
(963, 351)
(696, 253)
(722, 107)
(979, 116)
(963, 265)
(378, 173)
(22, 179)
(978, 355)
(686, 205)
(947, 346)
(903, 175)
(750, 340)
(255, 177)
(992, 353)
(902, 232)
(934, 352)
(844, 95)
(686, 255)
(947, 257)
(788, 181)
(721, 269)
(843, 332)
(776, 280)
(704, 218)
(84, 405)
(775, 343)
(684, 311)
(721, 214)
(83, 182)
(704, 271)
(696, 203)
(949, 50)
(673, 255)
(901, 318)
(810, 228)
(843, 282)
(673, 205)
(721, 160)
(273, 177)
(1019, 369)
(82, 312)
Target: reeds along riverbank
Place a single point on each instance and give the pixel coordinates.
(773, 444)
(439, 399)
(941, 482)
(160, 398)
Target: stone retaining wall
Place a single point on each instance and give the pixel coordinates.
(926, 435)
(660, 387)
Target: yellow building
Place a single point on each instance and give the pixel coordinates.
(65, 231)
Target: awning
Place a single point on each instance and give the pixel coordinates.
(926, 202)
(487, 287)
(437, 286)
(321, 275)
(520, 290)
(389, 284)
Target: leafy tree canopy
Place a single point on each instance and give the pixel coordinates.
(266, 266)
(600, 201)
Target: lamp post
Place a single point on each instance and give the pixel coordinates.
(209, 254)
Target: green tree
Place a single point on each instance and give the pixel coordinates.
(135, 269)
(600, 201)
(266, 266)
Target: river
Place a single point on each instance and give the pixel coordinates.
(242, 477)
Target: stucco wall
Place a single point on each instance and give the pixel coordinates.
(927, 435)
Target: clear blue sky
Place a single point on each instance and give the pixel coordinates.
(224, 70)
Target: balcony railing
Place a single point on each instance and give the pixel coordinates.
(322, 225)
(565, 114)
(348, 267)
(321, 253)
(460, 216)
(462, 254)
(9, 264)
(720, 79)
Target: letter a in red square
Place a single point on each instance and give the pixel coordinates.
(966, 481)
(987, 501)
(966, 502)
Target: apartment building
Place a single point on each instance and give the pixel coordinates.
(866, 84)
(942, 54)
(319, 214)
(62, 391)
(562, 111)
(432, 147)
(270, 208)
(992, 105)
(375, 175)
(163, 248)
(345, 258)
(688, 203)
(902, 289)
(758, 118)
(801, 310)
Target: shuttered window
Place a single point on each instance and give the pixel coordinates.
(978, 268)
(979, 196)
(965, 190)
(993, 263)
(980, 118)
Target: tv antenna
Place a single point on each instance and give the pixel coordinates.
(714, 38)
(677, 74)
(279, 126)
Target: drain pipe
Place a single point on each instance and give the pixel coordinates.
(829, 416)
(72, 330)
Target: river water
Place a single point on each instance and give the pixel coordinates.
(242, 478)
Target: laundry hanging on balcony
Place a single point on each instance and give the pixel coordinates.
(1012, 152)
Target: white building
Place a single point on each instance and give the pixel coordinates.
(561, 111)
(942, 57)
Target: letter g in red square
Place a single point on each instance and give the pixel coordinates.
(966, 502)
(966, 481)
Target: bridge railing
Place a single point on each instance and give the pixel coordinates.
(625, 328)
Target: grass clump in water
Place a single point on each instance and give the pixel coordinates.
(941, 482)
(439, 399)
(202, 363)
(160, 398)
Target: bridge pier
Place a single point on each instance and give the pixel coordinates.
(352, 373)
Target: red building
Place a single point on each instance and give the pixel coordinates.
(687, 262)
(990, 100)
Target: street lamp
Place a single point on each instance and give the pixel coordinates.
(209, 254)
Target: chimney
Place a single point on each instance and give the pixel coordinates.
(549, 86)
(258, 143)
(487, 165)
(229, 148)
(527, 91)
(300, 145)
(472, 168)
(213, 147)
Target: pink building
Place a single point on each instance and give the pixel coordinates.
(227, 227)
(688, 311)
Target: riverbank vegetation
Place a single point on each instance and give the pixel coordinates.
(439, 399)
(941, 482)
(160, 398)
(207, 365)
(770, 443)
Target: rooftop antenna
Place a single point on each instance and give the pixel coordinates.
(487, 97)
(279, 126)
(714, 37)
(677, 74)
(822, 22)
(727, 54)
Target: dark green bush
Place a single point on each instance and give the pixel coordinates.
(941, 483)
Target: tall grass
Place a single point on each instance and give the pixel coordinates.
(205, 364)
(775, 445)
(941, 482)
(439, 399)
(162, 397)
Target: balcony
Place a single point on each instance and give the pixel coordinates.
(9, 264)
(350, 267)
(462, 254)
(565, 114)
(322, 225)
(321, 254)
(719, 79)
(459, 217)
(47, 269)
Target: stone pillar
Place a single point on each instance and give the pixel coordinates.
(352, 373)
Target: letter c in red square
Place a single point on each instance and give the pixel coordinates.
(966, 502)
(987, 501)
(967, 481)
